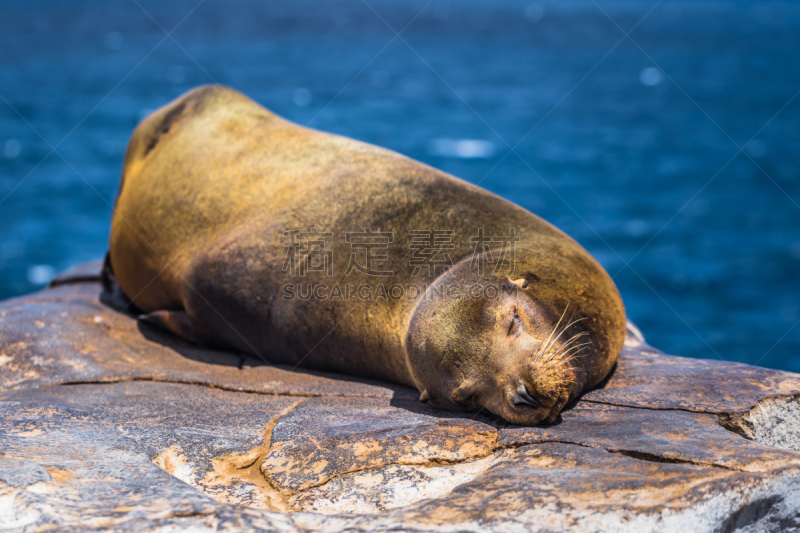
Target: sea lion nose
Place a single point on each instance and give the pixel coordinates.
(523, 397)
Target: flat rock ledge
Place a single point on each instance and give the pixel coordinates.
(108, 424)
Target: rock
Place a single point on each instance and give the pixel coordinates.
(107, 423)
(327, 437)
(66, 335)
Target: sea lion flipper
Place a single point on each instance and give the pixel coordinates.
(107, 279)
(179, 323)
(112, 294)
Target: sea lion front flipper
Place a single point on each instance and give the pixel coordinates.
(112, 294)
(179, 323)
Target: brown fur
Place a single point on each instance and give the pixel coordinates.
(212, 180)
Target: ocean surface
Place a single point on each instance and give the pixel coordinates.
(671, 154)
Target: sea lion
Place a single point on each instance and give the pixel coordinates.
(236, 228)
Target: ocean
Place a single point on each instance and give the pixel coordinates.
(662, 136)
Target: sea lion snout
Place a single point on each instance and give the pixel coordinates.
(537, 385)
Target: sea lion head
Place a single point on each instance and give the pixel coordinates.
(521, 346)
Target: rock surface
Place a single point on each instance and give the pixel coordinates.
(107, 423)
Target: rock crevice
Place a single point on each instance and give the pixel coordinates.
(774, 421)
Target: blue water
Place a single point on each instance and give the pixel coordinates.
(621, 155)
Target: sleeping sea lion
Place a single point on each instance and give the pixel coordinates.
(238, 229)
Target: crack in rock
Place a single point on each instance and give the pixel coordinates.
(154, 379)
(392, 486)
(654, 458)
(772, 421)
(236, 478)
(174, 462)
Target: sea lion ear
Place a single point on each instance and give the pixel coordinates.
(424, 397)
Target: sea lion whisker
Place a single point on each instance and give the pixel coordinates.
(566, 326)
(565, 352)
(546, 359)
(562, 354)
(561, 357)
(558, 374)
(547, 347)
(554, 369)
(573, 339)
(553, 365)
(540, 354)
(554, 354)
(565, 329)
(576, 349)
(555, 327)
